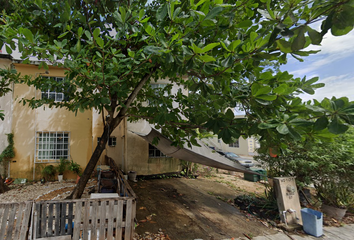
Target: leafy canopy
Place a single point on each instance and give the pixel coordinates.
(218, 50)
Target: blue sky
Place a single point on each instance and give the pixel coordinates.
(334, 64)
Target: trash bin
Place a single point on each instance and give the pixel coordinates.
(312, 222)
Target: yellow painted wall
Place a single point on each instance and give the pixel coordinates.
(27, 121)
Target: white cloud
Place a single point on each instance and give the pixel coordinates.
(333, 49)
(338, 86)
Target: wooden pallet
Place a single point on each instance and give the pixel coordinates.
(85, 219)
(15, 220)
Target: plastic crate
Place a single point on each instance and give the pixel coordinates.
(251, 177)
(312, 222)
(261, 171)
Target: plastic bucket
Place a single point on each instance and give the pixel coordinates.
(312, 222)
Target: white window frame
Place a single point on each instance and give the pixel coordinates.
(50, 146)
(57, 96)
(112, 141)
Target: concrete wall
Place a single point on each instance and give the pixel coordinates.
(27, 121)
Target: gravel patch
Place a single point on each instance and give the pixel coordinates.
(47, 191)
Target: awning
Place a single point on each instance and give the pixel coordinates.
(203, 155)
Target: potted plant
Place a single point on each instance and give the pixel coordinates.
(75, 168)
(61, 168)
(335, 198)
(49, 172)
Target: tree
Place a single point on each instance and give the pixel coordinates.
(112, 50)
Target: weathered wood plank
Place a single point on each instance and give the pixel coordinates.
(4, 222)
(43, 207)
(26, 219)
(10, 224)
(50, 220)
(77, 220)
(119, 221)
(94, 214)
(110, 218)
(86, 220)
(62, 218)
(70, 218)
(57, 218)
(102, 220)
(18, 221)
(128, 220)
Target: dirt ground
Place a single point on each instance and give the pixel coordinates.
(196, 208)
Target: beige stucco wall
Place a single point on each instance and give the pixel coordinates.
(27, 121)
(138, 158)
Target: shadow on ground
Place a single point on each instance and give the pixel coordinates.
(189, 209)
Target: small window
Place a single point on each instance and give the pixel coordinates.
(55, 93)
(154, 152)
(51, 146)
(235, 144)
(112, 141)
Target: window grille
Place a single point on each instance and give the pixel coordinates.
(51, 146)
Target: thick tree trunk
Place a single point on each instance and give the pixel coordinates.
(108, 129)
(80, 187)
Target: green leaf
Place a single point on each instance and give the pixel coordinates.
(96, 32)
(336, 127)
(100, 42)
(207, 58)
(267, 97)
(320, 123)
(315, 108)
(213, 13)
(63, 34)
(79, 32)
(161, 12)
(88, 34)
(8, 49)
(244, 24)
(281, 89)
(28, 34)
(152, 49)
(299, 41)
(229, 114)
(227, 62)
(284, 46)
(316, 37)
(209, 47)
(283, 129)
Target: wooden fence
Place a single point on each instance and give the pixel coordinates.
(86, 219)
(15, 220)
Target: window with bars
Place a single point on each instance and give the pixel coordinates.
(55, 93)
(154, 152)
(235, 144)
(112, 141)
(51, 146)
